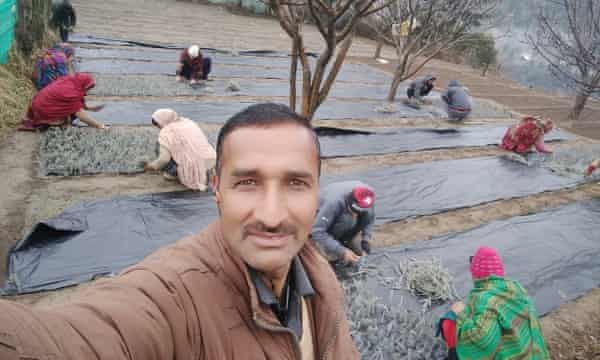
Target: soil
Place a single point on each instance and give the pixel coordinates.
(495, 87)
(572, 331)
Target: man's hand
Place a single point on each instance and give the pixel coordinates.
(350, 257)
(458, 307)
(179, 78)
(193, 82)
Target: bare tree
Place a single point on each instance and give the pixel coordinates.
(336, 21)
(428, 27)
(381, 24)
(568, 39)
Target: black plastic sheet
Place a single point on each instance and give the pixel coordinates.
(102, 237)
(553, 254)
(79, 152)
(97, 40)
(405, 191)
(252, 58)
(161, 85)
(223, 66)
(139, 112)
(109, 235)
(403, 140)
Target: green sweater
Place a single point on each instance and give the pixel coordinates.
(499, 322)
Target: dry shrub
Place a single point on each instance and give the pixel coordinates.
(576, 342)
(16, 88)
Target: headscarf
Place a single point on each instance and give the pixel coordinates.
(164, 117)
(188, 146)
(63, 97)
(193, 51)
(66, 48)
(51, 65)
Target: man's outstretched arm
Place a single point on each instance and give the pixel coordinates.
(139, 315)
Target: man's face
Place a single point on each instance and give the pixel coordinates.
(268, 193)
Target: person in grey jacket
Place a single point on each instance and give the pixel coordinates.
(420, 88)
(457, 100)
(345, 210)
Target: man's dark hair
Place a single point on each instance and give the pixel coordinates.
(263, 116)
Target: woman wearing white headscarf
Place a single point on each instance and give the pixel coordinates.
(184, 150)
(192, 65)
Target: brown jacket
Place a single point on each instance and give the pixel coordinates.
(192, 300)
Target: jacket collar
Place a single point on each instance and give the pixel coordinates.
(327, 303)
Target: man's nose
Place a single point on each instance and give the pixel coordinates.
(271, 209)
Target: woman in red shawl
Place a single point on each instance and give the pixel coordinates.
(529, 133)
(61, 102)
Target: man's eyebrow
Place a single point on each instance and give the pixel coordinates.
(244, 172)
(298, 174)
(301, 174)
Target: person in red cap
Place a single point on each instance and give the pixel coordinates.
(345, 210)
(499, 320)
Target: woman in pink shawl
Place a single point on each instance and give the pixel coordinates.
(184, 150)
(61, 102)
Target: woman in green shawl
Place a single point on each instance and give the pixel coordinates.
(499, 320)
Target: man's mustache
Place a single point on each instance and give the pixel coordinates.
(258, 227)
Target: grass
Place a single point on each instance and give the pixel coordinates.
(16, 88)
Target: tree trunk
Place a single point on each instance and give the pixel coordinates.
(394, 88)
(378, 49)
(293, 74)
(485, 69)
(330, 79)
(580, 101)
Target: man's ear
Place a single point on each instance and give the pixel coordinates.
(215, 185)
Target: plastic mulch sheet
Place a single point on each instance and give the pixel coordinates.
(403, 140)
(124, 150)
(553, 254)
(226, 66)
(139, 112)
(249, 85)
(102, 237)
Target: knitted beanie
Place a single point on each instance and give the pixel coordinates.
(486, 262)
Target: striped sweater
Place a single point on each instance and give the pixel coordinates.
(499, 322)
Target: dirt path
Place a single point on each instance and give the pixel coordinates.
(17, 156)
